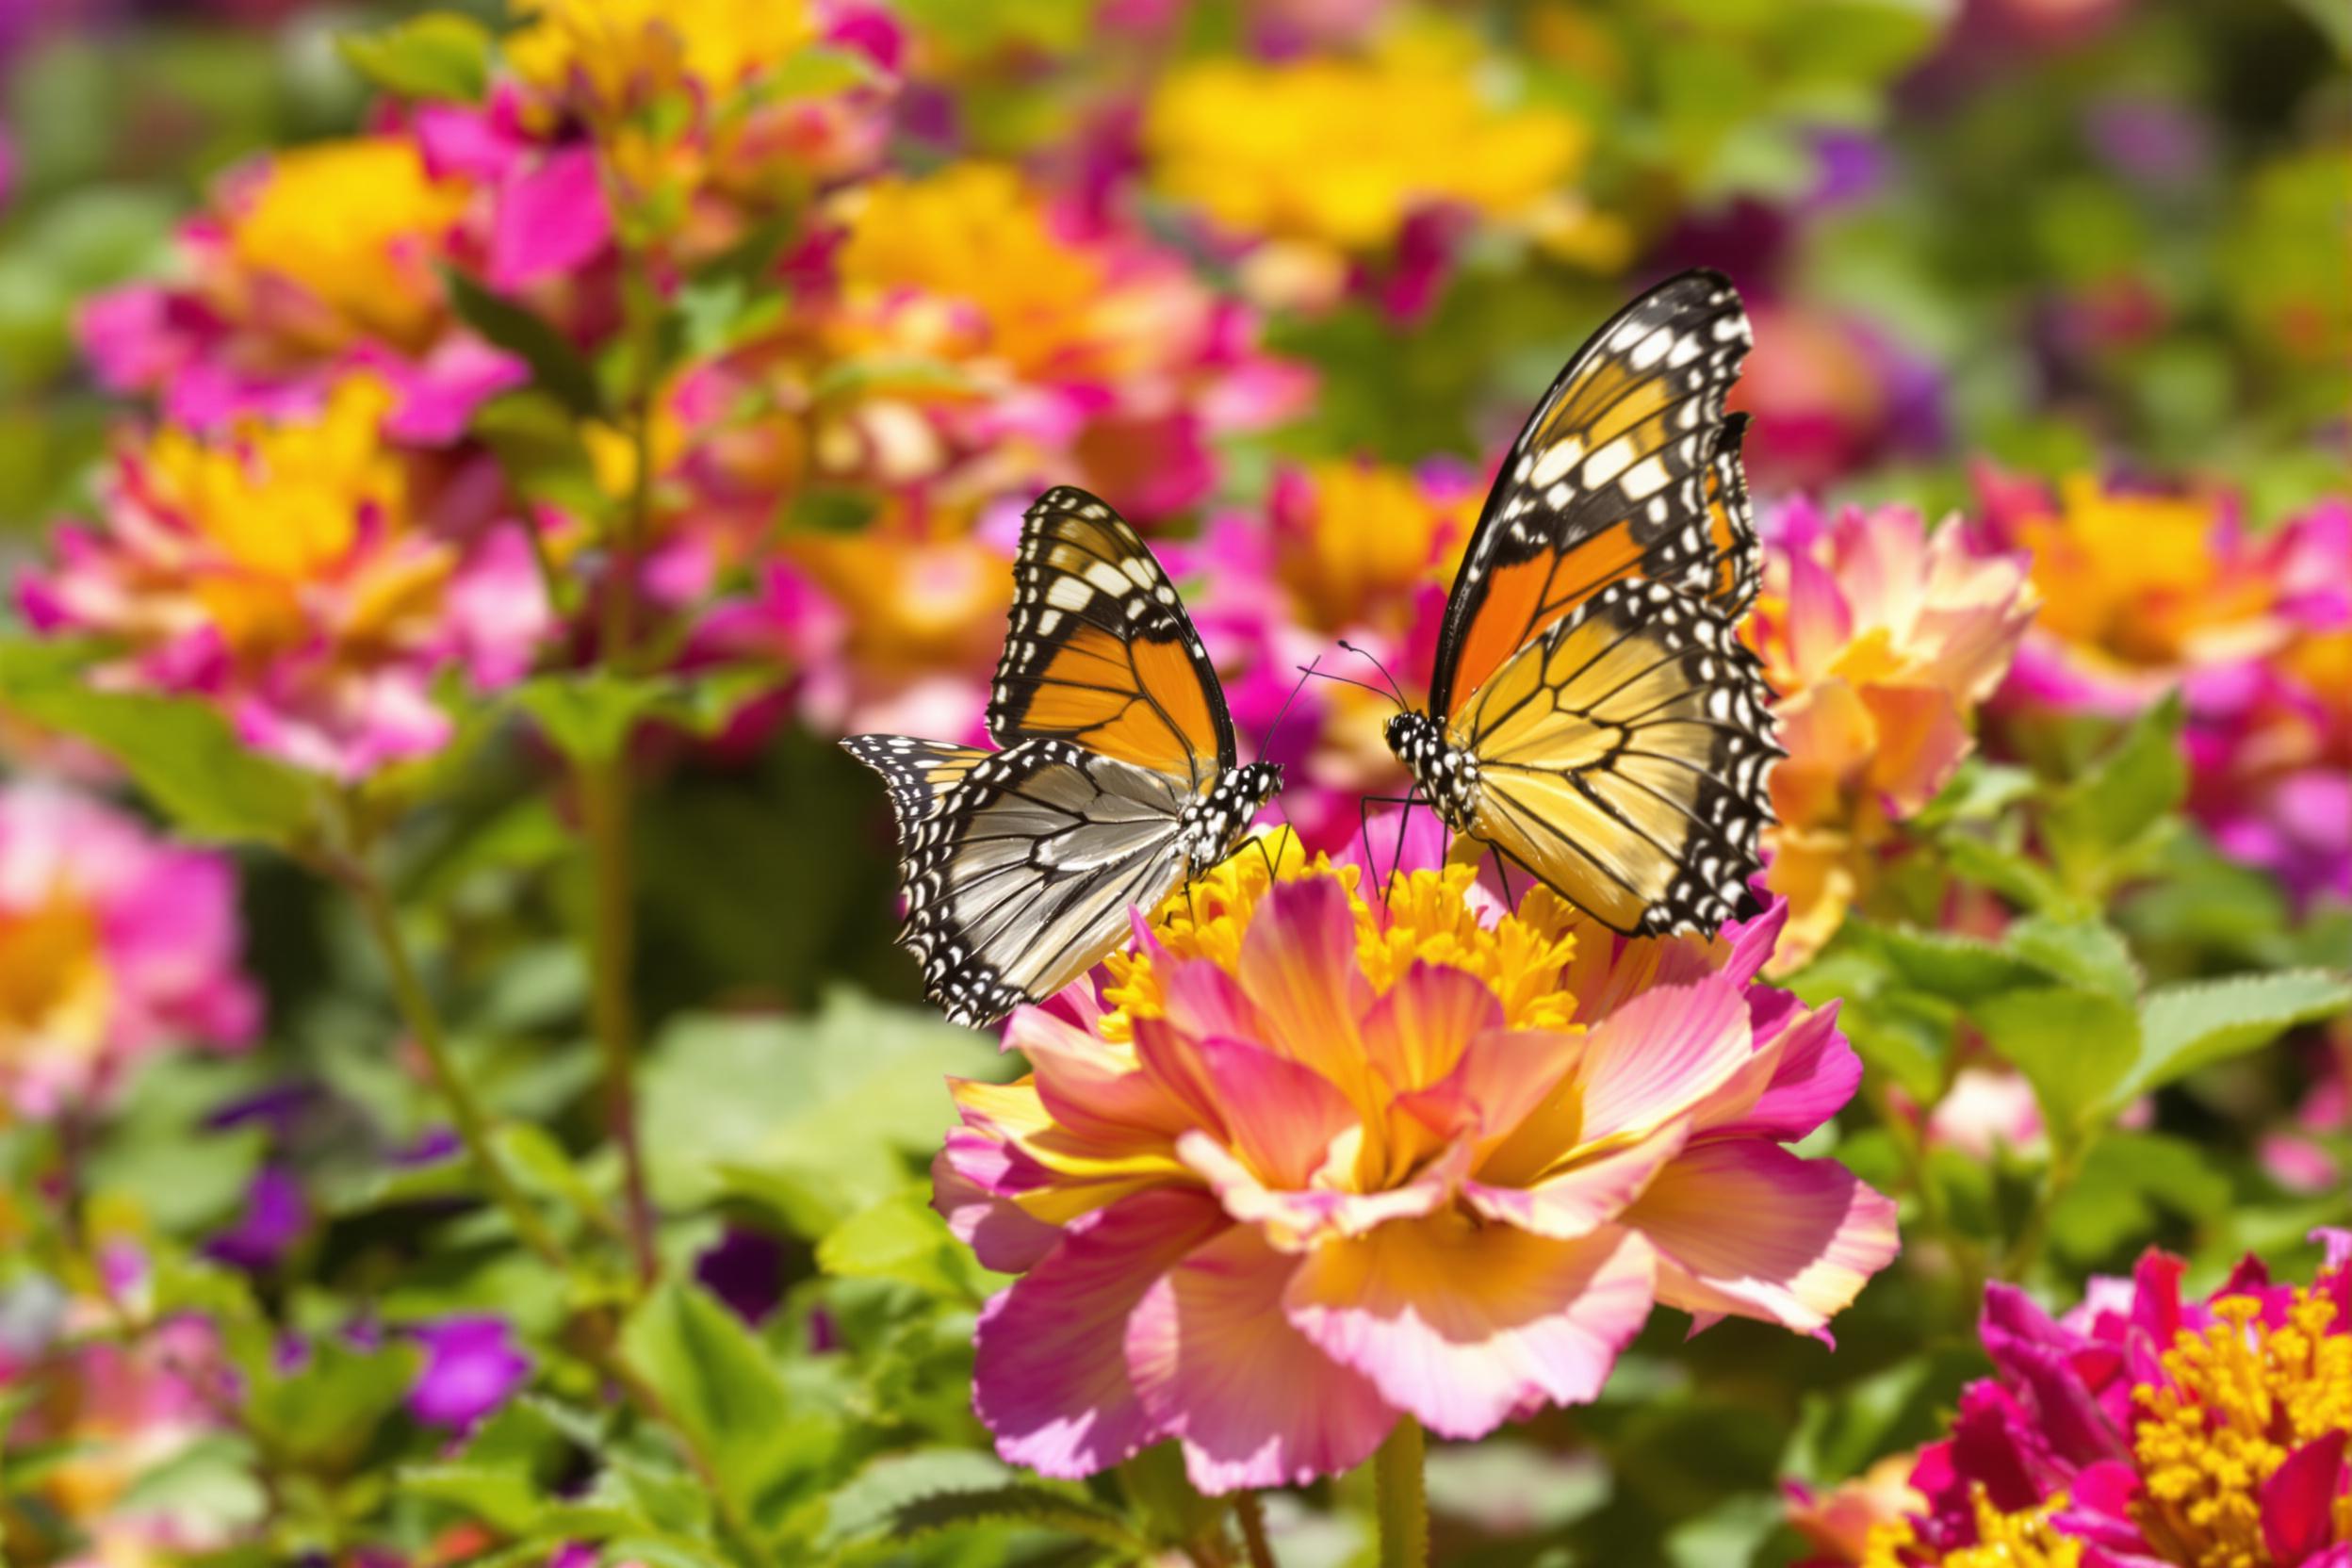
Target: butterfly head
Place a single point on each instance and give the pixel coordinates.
(1215, 821)
(1443, 772)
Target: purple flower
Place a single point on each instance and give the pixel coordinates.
(471, 1365)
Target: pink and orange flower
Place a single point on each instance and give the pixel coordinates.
(114, 944)
(305, 576)
(2145, 591)
(2145, 1428)
(1310, 1164)
(1882, 639)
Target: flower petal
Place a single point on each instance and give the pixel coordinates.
(1463, 1324)
(1810, 1072)
(2299, 1498)
(1051, 1375)
(1293, 1220)
(1297, 963)
(969, 1178)
(1415, 1033)
(1278, 1115)
(1580, 1200)
(1216, 1363)
(1748, 1227)
(1661, 1055)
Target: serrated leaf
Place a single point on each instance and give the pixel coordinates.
(2073, 1046)
(557, 368)
(182, 753)
(1957, 967)
(2084, 953)
(434, 55)
(1018, 1504)
(2188, 1026)
(2096, 826)
(870, 1501)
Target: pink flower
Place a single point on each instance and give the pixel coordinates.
(2142, 1429)
(1323, 1163)
(305, 576)
(114, 944)
(1882, 639)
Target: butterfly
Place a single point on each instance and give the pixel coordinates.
(1117, 782)
(1593, 716)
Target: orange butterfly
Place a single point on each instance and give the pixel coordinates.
(1593, 716)
(1117, 785)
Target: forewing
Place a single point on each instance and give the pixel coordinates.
(1100, 651)
(1022, 878)
(1616, 476)
(1623, 757)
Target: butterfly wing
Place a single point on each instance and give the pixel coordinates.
(1622, 757)
(1628, 469)
(1100, 652)
(1022, 877)
(917, 772)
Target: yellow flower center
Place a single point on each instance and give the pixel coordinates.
(1521, 958)
(53, 985)
(354, 224)
(2022, 1539)
(2242, 1397)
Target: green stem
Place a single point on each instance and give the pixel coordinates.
(2066, 1164)
(1251, 1510)
(424, 1023)
(604, 797)
(1401, 1497)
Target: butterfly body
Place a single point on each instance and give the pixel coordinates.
(1593, 716)
(1117, 782)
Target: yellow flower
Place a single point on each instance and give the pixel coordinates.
(610, 55)
(1340, 152)
(354, 224)
(1355, 543)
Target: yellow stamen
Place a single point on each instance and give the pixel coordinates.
(2022, 1539)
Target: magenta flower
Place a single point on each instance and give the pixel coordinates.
(2142, 1430)
(471, 1365)
(113, 944)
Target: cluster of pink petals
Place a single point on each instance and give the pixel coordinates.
(2054, 1430)
(305, 578)
(1296, 1207)
(113, 944)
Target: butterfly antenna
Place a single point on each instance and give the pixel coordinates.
(1343, 680)
(1394, 690)
(1284, 711)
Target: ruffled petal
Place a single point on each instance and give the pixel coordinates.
(1580, 1200)
(1750, 1229)
(1217, 1365)
(1465, 1325)
(1416, 1033)
(1298, 964)
(1050, 1378)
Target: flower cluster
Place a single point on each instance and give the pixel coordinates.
(1312, 1162)
(113, 944)
(304, 573)
(1881, 638)
(2145, 592)
(2144, 1428)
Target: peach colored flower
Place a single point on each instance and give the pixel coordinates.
(1882, 639)
(1311, 1163)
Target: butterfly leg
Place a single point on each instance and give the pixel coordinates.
(1404, 819)
(1363, 834)
(1502, 874)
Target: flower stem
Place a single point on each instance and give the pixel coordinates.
(1251, 1510)
(424, 1023)
(604, 791)
(1401, 1499)
(2066, 1164)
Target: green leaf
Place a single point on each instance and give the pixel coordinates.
(2098, 826)
(724, 1389)
(868, 1503)
(437, 54)
(2084, 953)
(2074, 1046)
(536, 439)
(505, 1498)
(182, 753)
(2188, 1026)
(538, 1164)
(1959, 969)
(1022, 1503)
(903, 1238)
(557, 368)
(840, 1109)
(328, 1409)
(817, 70)
(2128, 1184)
